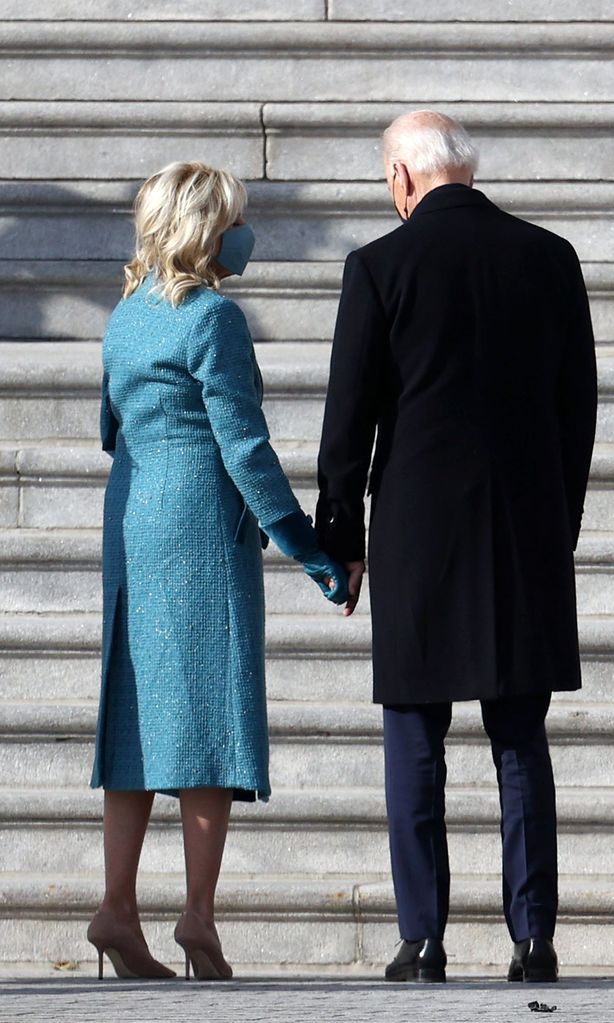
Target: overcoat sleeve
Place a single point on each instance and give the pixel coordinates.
(108, 423)
(351, 413)
(577, 397)
(222, 359)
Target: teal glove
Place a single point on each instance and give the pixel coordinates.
(319, 567)
(296, 538)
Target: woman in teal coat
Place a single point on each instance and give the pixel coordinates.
(194, 488)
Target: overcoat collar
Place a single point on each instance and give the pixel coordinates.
(447, 196)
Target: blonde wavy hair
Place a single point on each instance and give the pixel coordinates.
(179, 214)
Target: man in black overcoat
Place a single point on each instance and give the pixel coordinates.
(463, 348)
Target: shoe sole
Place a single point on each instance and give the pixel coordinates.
(420, 977)
(202, 966)
(533, 977)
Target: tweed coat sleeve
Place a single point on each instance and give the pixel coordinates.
(221, 357)
(577, 396)
(351, 413)
(108, 423)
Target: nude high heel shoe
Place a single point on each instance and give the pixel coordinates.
(202, 948)
(127, 951)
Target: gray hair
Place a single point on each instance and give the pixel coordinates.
(429, 143)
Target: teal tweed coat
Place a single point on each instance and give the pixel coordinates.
(183, 691)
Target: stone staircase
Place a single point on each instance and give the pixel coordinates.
(292, 95)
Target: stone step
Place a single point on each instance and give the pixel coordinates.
(324, 141)
(51, 389)
(319, 832)
(59, 570)
(284, 920)
(294, 141)
(360, 62)
(309, 10)
(61, 485)
(474, 807)
(127, 139)
(182, 10)
(66, 367)
(73, 299)
(292, 220)
(311, 744)
(283, 301)
(57, 657)
(315, 658)
(570, 718)
(58, 484)
(447, 10)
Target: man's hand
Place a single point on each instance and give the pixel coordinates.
(355, 570)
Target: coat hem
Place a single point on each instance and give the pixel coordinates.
(504, 694)
(239, 795)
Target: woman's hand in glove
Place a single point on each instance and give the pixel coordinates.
(296, 538)
(324, 571)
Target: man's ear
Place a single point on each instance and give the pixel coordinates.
(404, 177)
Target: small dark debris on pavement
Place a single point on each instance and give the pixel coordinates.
(541, 1007)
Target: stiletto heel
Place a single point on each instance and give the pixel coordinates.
(201, 945)
(126, 949)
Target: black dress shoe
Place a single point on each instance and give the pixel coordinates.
(419, 960)
(534, 960)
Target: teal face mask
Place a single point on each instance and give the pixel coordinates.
(236, 248)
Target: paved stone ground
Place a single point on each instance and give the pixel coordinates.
(81, 999)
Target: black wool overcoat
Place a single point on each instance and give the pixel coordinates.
(464, 340)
